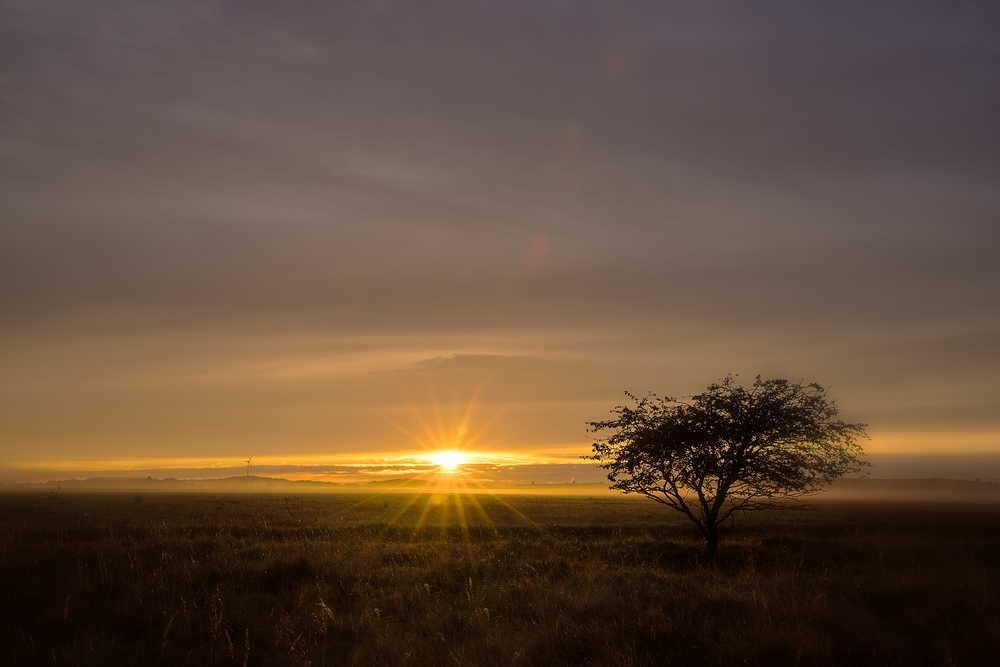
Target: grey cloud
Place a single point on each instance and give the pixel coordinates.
(796, 188)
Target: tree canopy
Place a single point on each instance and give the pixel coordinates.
(729, 449)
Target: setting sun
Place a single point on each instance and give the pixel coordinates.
(449, 460)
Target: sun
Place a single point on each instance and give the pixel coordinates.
(448, 459)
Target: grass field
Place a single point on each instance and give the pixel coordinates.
(398, 579)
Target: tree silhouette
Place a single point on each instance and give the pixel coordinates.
(729, 449)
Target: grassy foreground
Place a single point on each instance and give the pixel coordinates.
(480, 580)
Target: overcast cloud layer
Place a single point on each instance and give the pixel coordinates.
(312, 227)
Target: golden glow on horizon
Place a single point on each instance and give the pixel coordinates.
(379, 464)
(361, 466)
(558, 455)
(448, 459)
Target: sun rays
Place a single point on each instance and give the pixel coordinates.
(452, 501)
(450, 488)
(448, 459)
(459, 449)
(456, 430)
(448, 499)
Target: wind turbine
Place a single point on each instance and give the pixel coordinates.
(248, 465)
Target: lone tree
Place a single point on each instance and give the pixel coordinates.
(729, 449)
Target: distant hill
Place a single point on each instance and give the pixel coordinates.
(255, 484)
(240, 484)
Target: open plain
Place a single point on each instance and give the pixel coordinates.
(463, 579)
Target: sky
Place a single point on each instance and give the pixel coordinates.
(335, 234)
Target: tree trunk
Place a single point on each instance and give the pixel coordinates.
(712, 540)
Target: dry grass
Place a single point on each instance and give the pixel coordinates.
(334, 580)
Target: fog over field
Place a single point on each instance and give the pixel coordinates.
(983, 467)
